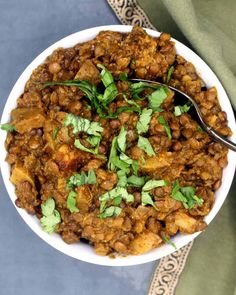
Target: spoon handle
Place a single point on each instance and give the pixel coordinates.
(212, 133)
(221, 139)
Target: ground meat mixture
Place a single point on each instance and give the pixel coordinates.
(43, 155)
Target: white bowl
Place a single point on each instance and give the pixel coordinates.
(83, 251)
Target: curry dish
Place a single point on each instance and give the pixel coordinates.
(112, 162)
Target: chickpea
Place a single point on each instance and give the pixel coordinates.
(54, 67)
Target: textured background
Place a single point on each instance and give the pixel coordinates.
(27, 264)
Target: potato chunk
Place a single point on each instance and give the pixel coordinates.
(162, 160)
(88, 71)
(20, 174)
(185, 223)
(84, 198)
(26, 119)
(144, 243)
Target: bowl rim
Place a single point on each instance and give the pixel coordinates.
(83, 252)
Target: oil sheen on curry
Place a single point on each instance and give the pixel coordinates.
(113, 163)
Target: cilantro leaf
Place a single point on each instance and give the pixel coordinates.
(147, 200)
(137, 88)
(94, 140)
(186, 195)
(111, 91)
(179, 110)
(136, 107)
(149, 185)
(81, 179)
(71, 202)
(106, 76)
(123, 77)
(126, 159)
(55, 132)
(169, 74)
(115, 193)
(49, 223)
(51, 217)
(168, 241)
(163, 122)
(91, 178)
(114, 160)
(144, 121)
(122, 178)
(125, 195)
(81, 147)
(8, 127)
(112, 211)
(199, 128)
(48, 207)
(121, 139)
(113, 154)
(110, 195)
(144, 144)
(82, 125)
(137, 181)
(117, 201)
(156, 98)
(135, 167)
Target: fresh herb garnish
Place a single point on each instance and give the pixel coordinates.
(112, 211)
(186, 195)
(135, 106)
(146, 199)
(121, 139)
(51, 217)
(118, 159)
(111, 91)
(55, 132)
(94, 140)
(144, 144)
(82, 125)
(8, 127)
(168, 241)
(117, 201)
(81, 147)
(169, 74)
(114, 195)
(135, 167)
(179, 110)
(117, 192)
(71, 202)
(123, 77)
(81, 179)
(144, 121)
(137, 181)
(115, 162)
(122, 182)
(199, 128)
(163, 122)
(151, 184)
(156, 98)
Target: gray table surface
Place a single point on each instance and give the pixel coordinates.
(27, 264)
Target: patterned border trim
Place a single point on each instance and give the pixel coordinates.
(130, 13)
(166, 275)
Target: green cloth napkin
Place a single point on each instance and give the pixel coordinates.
(208, 25)
(210, 28)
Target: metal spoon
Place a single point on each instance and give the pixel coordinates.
(212, 133)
